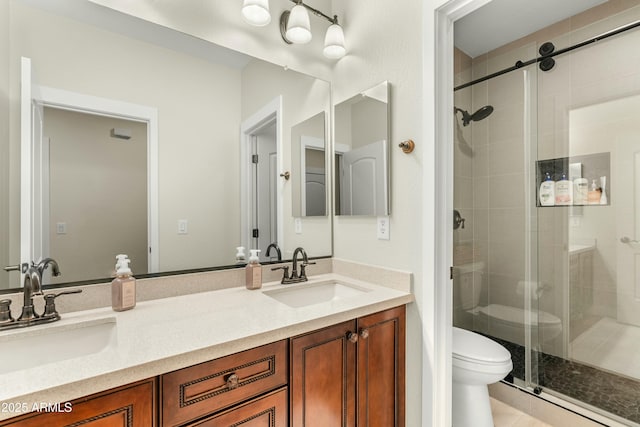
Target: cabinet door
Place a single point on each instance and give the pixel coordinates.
(270, 410)
(129, 406)
(381, 369)
(323, 377)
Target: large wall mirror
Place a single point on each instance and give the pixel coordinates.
(362, 153)
(145, 142)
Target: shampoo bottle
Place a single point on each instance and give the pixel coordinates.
(593, 196)
(564, 192)
(254, 271)
(580, 191)
(123, 288)
(547, 191)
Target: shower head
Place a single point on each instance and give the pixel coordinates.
(481, 114)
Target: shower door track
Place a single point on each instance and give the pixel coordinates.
(520, 64)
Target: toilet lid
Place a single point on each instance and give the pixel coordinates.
(517, 315)
(476, 348)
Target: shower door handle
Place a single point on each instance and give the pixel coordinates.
(626, 239)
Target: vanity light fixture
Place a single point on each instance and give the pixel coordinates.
(295, 27)
(256, 12)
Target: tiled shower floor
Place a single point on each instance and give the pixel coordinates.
(613, 393)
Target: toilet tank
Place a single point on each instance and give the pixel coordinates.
(468, 283)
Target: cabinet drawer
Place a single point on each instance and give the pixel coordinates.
(128, 406)
(266, 411)
(203, 389)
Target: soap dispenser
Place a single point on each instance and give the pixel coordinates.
(123, 287)
(254, 271)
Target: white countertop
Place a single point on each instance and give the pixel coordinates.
(163, 335)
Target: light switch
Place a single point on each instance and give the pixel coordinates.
(61, 228)
(298, 225)
(383, 228)
(182, 226)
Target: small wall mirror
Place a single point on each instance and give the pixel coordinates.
(362, 153)
(309, 171)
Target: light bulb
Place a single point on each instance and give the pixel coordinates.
(298, 27)
(256, 12)
(334, 42)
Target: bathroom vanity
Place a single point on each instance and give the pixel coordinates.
(293, 352)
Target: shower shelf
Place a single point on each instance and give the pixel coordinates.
(590, 166)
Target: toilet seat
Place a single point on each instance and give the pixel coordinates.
(474, 348)
(516, 315)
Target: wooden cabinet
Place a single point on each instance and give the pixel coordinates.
(351, 374)
(270, 410)
(200, 390)
(128, 406)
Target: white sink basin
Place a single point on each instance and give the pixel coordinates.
(302, 295)
(39, 345)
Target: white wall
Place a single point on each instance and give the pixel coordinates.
(198, 107)
(98, 189)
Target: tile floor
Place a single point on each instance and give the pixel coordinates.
(506, 416)
(609, 345)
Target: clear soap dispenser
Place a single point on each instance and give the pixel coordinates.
(254, 271)
(123, 287)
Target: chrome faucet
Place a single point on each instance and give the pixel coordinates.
(295, 278)
(33, 287)
(277, 249)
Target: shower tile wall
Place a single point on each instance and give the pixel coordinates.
(489, 164)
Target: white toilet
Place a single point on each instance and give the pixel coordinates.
(503, 321)
(477, 362)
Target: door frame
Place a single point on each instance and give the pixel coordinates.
(73, 101)
(438, 189)
(265, 116)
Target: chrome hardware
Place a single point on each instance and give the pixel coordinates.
(232, 381)
(286, 175)
(407, 146)
(364, 333)
(277, 249)
(626, 239)
(352, 337)
(458, 221)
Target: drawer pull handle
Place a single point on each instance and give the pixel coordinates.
(232, 382)
(364, 333)
(353, 337)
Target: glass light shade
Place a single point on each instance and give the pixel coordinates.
(334, 42)
(298, 27)
(256, 12)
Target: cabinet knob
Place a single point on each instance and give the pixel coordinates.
(364, 333)
(232, 381)
(353, 337)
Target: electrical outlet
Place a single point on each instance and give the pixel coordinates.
(183, 226)
(383, 228)
(298, 225)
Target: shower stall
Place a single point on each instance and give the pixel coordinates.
(558, 286)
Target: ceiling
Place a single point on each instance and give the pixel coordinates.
(502, 21)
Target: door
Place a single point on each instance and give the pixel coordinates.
(364, 178)
(626, 171)
(265, 214)
(323, 378)
(381, 369)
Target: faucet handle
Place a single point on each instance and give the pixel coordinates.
(5, 311)
(285, 275)
(50, 303)
(303, 272)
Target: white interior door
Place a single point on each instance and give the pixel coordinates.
(266, 186)
(364, 178)
(626, 169)
(315, 193)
